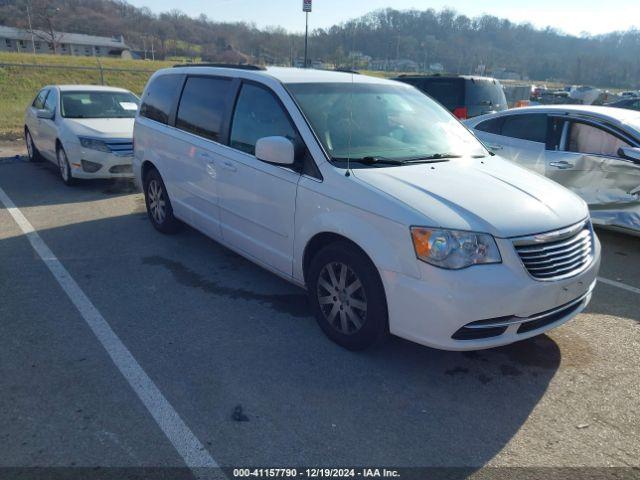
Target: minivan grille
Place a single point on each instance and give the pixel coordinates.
(557, 255)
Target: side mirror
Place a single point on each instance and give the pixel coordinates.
(630, 153)
(46, 114)
(278, 150)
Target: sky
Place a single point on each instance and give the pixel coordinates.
(569, 16)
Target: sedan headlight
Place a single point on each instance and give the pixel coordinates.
(94, 144)
(454, 249)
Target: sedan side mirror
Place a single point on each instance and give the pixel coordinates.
(278, 150)
(46, 114)
(630, 153)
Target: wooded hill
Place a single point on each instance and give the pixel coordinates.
(456, 41)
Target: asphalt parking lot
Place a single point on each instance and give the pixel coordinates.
(239, 359)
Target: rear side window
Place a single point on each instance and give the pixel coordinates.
(40, 98)
(526, 127)
(202, 106)
(159, 98)
(258, 114)
(449, 92)
(491, 126)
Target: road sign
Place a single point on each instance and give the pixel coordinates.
(306, 6)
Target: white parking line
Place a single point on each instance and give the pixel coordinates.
(621, 285)
(181, 437)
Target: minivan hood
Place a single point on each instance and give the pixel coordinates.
(490, 195)
(101, 127)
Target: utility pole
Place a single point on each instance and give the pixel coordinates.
(306, 8)
(33, 41)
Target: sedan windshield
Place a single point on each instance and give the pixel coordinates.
(393, 123)
(98, 105)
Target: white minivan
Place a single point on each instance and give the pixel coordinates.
(371, 196)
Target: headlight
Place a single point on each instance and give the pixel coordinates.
(454, 249)
(94, 144)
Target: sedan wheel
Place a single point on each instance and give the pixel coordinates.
(32, 152)
(63, 166)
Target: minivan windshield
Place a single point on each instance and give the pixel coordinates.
(88, 104)
(359, 121)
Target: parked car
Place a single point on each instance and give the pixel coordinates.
(84, 129)
(464, 95)
(592, 150)
(370, 195)
(628, 103)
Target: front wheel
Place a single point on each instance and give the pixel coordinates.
(64, 167)
(32, 152)
(347, 296)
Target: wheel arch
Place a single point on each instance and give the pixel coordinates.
(147, 166)
(321, 240)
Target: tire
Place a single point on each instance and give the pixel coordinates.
(159, 208)
(32, 152)
(64, 168)
(354, 315)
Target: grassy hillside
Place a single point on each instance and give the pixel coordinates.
(18, 85)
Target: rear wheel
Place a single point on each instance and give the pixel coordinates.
(347, 296)
(64, 167)
(158, 204)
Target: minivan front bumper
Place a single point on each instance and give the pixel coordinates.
(446, 309)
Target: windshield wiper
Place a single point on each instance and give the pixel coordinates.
(432, 157)
(372, 160)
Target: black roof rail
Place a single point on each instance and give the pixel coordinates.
(221, 65)
(346, 70)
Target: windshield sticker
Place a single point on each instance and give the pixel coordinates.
(129, 105)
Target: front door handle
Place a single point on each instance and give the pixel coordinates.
(228, 165)
(211, 169)
(561, 164)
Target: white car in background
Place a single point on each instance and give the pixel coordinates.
(86, 130)
(594, 151)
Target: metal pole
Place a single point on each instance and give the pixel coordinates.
(33, 42)
(306, 39)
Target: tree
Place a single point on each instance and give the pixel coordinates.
(41, 15)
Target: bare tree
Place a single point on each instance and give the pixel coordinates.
(42, 14)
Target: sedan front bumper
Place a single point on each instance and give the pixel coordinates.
(87, 163)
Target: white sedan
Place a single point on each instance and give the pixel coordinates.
(594, 151)
(86, 130)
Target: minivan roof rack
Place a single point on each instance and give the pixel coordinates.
(221, 65)
(346, 70)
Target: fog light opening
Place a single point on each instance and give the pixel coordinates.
(90, 167)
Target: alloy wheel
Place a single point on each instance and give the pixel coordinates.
(342, 298)
(157, 204)
(30, 148)
(63, 165)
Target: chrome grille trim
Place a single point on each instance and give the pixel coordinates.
(557, 255)
(121, 148)
(508, 321)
